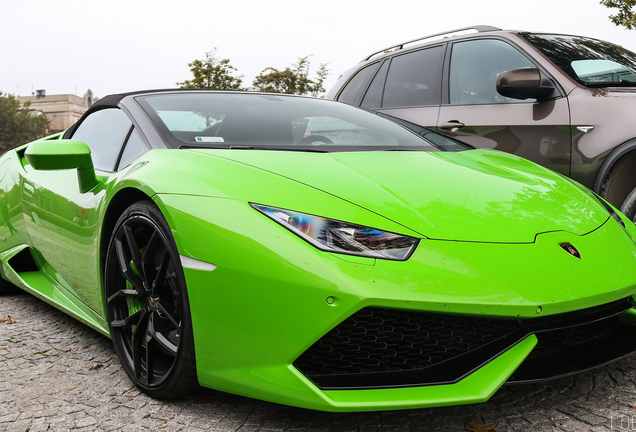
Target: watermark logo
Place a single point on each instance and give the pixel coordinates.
(623, 423)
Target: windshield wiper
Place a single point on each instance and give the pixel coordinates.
(282, 148)
(199, 146)
(249, 147)
(620, 83)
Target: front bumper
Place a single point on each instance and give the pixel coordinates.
(273, 296)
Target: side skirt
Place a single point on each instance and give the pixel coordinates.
(19, 267)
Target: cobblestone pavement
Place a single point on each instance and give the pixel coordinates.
(57, 374)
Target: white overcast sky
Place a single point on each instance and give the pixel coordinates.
(114, 46)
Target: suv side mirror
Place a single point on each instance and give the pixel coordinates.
(61, 155)
(524, 84)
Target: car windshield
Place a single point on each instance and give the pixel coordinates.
(591, 62)
(274, 122)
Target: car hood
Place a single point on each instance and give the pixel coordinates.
(476, 195)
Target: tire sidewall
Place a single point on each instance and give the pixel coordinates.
(629, 206)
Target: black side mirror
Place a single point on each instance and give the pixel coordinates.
(524, 84)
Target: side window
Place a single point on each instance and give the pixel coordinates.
(135, 147)
(414, 79)
(353, 90)
(475, 66)
(373, 98)
(104, 132)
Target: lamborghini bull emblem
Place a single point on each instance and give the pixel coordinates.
(569, 248)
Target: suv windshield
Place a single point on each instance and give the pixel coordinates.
(274, 122)
(591, 62)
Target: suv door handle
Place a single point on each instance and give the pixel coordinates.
(452, 125)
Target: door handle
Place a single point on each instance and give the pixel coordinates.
(452, 125)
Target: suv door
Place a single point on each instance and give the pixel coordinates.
(407, 86)
(475, 113)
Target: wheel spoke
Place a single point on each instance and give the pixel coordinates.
(135, 318)
(126, 269)
(149, 338)
(148, 267)
(134, 250)
(138, 343)
(161, 272)
(123, 294)
(163, 310)
(170, 348)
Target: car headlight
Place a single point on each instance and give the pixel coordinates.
(342, 237)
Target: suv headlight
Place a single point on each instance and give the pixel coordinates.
(342, 237)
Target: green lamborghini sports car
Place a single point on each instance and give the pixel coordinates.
(309, 253)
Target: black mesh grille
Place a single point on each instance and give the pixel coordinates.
(383, 340)
(381, 347)
(550, 341)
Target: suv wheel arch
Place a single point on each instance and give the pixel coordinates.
(617, 176)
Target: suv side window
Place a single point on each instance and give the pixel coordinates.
(353, 90)
(104, 132)
(475, 66)
(414, 79)
(373, 98)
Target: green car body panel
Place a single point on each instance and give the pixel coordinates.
(489, 226)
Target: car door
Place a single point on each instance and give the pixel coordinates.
(62, 223)
(475, 113)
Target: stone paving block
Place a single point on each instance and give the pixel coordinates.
(518, 424)
(571, 410)
(536, 418)
(593, 420)
(573, 426)
(9, 418)
(546, 428)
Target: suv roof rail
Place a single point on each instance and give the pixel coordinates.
(479, 29)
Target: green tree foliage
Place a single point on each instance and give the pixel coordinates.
(626, 15)
(213, 73)
(18, 125)
(294, 80)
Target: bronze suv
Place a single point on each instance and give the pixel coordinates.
(565, 102)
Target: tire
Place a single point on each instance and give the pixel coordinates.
(629, 206)
(147, 304)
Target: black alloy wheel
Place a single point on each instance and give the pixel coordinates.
(147, 304)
